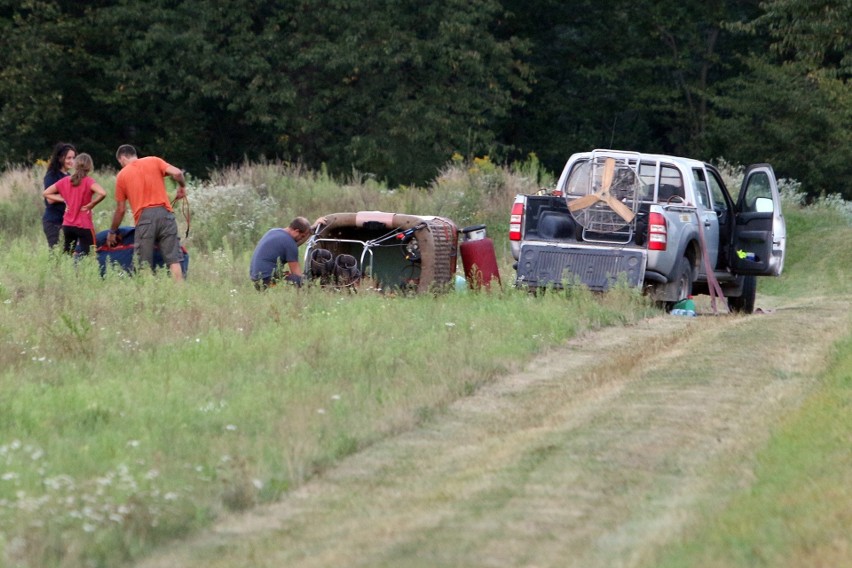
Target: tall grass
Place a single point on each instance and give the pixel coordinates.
(817, 247)
(238, 204)
(133, 410)
(21, 204)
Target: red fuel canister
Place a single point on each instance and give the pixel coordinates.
(478, 258)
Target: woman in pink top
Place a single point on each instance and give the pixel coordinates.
(80, 193)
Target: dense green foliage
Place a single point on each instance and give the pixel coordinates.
(394, 88)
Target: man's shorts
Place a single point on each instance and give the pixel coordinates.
(157, 226)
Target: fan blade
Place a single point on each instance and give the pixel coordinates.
(583, 202)
(623, 210)
(608, 174)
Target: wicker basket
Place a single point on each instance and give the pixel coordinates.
(394, 250)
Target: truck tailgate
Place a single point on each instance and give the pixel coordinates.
(597, 268)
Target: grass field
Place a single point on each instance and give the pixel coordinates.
(134, 411)
(798, 508)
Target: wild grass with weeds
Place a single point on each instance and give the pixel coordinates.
(237, 205)
(133, 410)
(142, 409)
(21, 204)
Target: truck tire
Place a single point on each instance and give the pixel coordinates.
(744, 304)
(683, 282)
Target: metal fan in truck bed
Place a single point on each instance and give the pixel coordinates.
(604, 209)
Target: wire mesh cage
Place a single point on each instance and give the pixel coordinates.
(390, 250)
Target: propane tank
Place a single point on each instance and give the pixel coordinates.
(478, 257)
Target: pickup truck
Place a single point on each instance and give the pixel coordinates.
(665, 223)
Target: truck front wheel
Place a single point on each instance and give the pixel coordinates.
(744, 304)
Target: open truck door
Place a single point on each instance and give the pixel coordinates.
(760, 232)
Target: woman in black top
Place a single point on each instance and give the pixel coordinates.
(61, 161)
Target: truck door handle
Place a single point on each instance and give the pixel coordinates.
(707, 224)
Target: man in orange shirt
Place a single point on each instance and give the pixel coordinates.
(140, 181)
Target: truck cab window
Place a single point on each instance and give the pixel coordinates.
(647, 179)
(717, 193)
(701, 188)
(758, 186)
(671, 184)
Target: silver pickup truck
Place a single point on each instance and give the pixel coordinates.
(665, 223)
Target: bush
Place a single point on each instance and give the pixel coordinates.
(232, 215)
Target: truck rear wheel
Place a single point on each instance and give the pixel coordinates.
(683, 282)
(744, 304)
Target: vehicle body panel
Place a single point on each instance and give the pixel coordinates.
(760, 230)
(702, 223)
(599, 268)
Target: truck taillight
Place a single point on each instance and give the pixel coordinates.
(657, 232)
(515, 221)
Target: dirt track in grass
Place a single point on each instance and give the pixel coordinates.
(599, 453)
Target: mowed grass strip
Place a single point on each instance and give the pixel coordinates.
(798, 510)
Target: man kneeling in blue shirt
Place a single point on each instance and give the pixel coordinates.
(279, 249)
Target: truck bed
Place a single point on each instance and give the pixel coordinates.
(557, 251)
(547, 218)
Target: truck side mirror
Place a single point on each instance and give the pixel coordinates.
(764, 205)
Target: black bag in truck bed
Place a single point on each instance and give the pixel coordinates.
(597, 268)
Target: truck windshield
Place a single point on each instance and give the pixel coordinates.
(624, 183)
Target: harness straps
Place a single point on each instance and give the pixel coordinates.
(712, 283)
(184, 210)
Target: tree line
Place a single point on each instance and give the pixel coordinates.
(393, 88)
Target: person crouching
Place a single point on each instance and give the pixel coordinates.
(276, 256)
